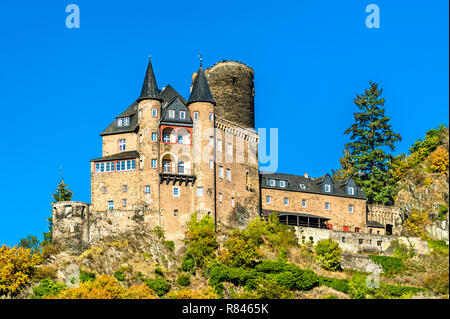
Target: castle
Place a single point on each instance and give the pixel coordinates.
(165, 158)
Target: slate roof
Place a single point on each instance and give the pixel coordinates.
(149, 88)
(312, 185)
(268, 212)
(169, 93)
(200, 89)
(372, 223)
(118, 156)
(131, 111)
(177, 105)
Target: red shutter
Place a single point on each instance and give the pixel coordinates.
(346, 228)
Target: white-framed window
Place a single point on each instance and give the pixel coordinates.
(268, 199)
(176, 191)
(211, 164)
(166, 166)
(124, 188)
(271, 182)
(228, 174)
(303, 202)
(154, 137)
(171, 114)
(351, 190)
(180, 167)
(154, 112)
(104, 190)
(211, 116)
(119, 122)
(282, 183)
(219, 145)
(327, 188)
(351, 208)
(105, 167)
(230, 149)
(110, 204)
(327, 206)
(182, 115)
(220, 197)
(211, 141)
(126, 121)
(195, 116)
(124, 202)
(286, 201)
(199, 191)
(232, 202)
(166, 138)
(302, 186)
(122, 144)
(220, 171)
(147, 189)
(140, 114)
(126, 165)
(154, 163)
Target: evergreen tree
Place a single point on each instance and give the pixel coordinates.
(346, 169)
(371, 141)
(31, 242)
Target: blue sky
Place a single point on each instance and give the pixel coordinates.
(61, 87)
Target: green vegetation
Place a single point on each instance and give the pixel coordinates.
(390, 265)
(47, 287)
(184, 280)
(87, 276)
(328, 254)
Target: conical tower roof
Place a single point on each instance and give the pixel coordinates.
(200, 90)
(149, 88)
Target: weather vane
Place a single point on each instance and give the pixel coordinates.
(200, 56)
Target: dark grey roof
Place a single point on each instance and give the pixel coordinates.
(200, 89)
(372, 223)
(131, 111)
(312, 185)
(267, 212)
(149, 88)
(176, 105)
(169, 93)
(118, 156)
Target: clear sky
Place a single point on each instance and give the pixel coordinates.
(60, 87)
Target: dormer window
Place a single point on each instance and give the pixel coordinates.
(271, 182)
(182, 115)
(302, 186)
(351, 191)
(282, 183)
(126, 121)
(119, 122)
(327, 188)
(171, 114)
(123, 121)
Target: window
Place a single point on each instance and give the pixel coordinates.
(232, 202)
(230, 149)
(351, 191)
(176, 191)
(271, 182)
(199, 191)
(154, 112)
(370, 231)
(126, 165)
(154, 163)
(219, 145)
(286, 202)
(327, 206)
(282, 183)
(211, 141)
(343, 239)
(126, 121)
(104, 190)
(211, 164)
(180, 139)
(211, 116)
(182, 115)
(303, 202)
(166, 138)
(228, 174)
(140, 114)
(302, 186)
(220, 171)
(361, 241)
(356, 229)
(175, 212)
(171, 114)
(378, 232)
(119, 122)
(122, 144)
(110, 205)
(195, 115)
(154, 137)
(268, 199)
(124, 202)
(147, 189)
(166, 166)
(350, 208)
(180, 167)
(124, 188)
(327, 188)
(346, 228)
(379, 243)
(104, 167)
(220, 197)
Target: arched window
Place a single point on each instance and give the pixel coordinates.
(184, 137)
(180, 167)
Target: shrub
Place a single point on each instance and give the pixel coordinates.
(337, 284)
(47, 287)
(159, 231)
(159, 271)
(239, 252)
(267, 289)
(139, 292)
(443, 210)
(401, 250)
(86, 276)
(438, 246)
(416, 224)
(44, 272)
(169, 245)
(184, 280)
(159, 285)
(207, 293)
(119, 275)
(439, 160)
(188, 263)
(398, 291)
(357, 287)
(328, 254)
(390, 265)
(438, 283)
(307, 280)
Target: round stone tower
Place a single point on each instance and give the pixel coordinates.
(232, 87)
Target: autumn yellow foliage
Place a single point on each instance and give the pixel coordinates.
(16, 266)
(439, 160)
(416, 224)
(105, 287)
(207, 293)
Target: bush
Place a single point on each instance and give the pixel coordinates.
(398, 291)
(438, 246)
(159, 271)
(169, 245)
(439, 160)
(328, 254)
(307, 280)
(44, 272)
(239, 252)
(207, 293)
(184, 280)
(337, 284)
(443, 210)
(159, 285)
(188, 263)
(357, 287)
(86, 276)
(390, 265)
(119, 275)
(438, 283)
(47, 287)
(416, 224)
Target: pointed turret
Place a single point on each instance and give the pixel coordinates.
(200, 89)
(149, 88)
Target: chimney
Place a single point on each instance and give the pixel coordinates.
(306, 175)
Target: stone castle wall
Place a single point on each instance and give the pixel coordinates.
(386, 215)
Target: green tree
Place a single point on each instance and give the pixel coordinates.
(371, 141)
(31, 242)
(328, 254)
(346, 169)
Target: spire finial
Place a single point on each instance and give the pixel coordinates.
(149, 56)
(200, 56)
